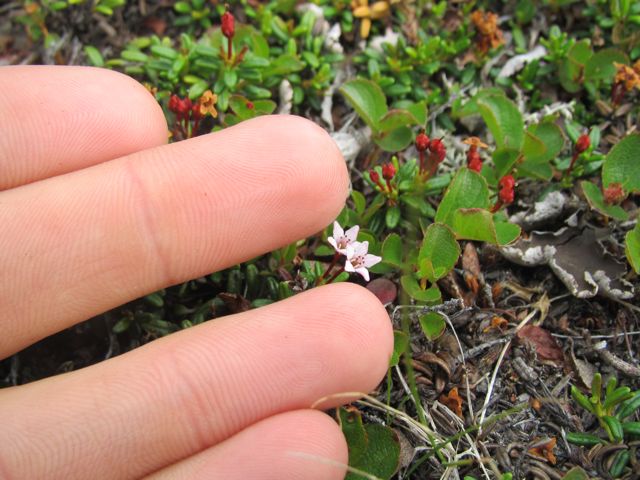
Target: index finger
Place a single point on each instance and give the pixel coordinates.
(79, 244)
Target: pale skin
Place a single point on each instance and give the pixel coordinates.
(96, 210)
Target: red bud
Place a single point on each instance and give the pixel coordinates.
(582, 144)
(438, 150)
(507, 194)
(373, 175)
(422, 142)
(388, 171)
(228, 24)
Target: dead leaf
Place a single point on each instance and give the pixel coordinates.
(471, 267)
(384, 289)
(234, 302)
(156, 25)
(544, 344)
(453, 401)
(544, 449)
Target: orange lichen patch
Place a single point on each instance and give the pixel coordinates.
(475, 142)
(361, 9)
(207, 102)
(627, 76)
(545, 450)
(497, 323)
(636, 66)
(489, 34)
(453, 401)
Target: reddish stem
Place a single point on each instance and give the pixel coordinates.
(331, 265)
(335, 275)
(229, 49)
(573, 160)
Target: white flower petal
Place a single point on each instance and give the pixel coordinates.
(371, 260)
(338, 232)
(352, 233)
(360, 248)
(364, 272)
(333, 243)
(348, 267)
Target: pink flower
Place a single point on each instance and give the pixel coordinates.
(358, 260)
(341, 239)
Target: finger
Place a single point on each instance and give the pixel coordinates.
(283, 446)
(105, 235)
(177, 396)
(59, 119)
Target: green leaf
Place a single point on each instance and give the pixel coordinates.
(432, 324)
(182, 7)
(621, 164)
(400, 344)
(550, 135)
(600, 65)
(440, 249)
(373, 448)
(468, 189)
(164, 52)
(396, 118)
(632, 247)
(571, 68)
(471, 106)
(134, 56)
(596, 201)
(285, 64)
(541, 171)
(367, 99)
(392, 217)
(503, 119)
(576, 473)
(197, 89)
(477, 224)
(359, 201)
(382, 456)
(395, 140)
(419, 111)
(410, 285)
(94, 56)
(504, 159)
(583, 439)
(392, 250)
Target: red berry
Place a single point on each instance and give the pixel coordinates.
(388, 171)
(582, 144)
(228, 24)
(373, 175)
(422, 142)
(474, 161)
(507, 182)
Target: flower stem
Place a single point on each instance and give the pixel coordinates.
(331, 265)
(573, 161)
(335, 275)
(229, 49)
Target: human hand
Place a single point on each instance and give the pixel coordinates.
(95, 211)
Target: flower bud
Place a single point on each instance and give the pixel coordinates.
(614, 194)
(438, 150)
(388, 171)
(422, 142)
(373, 175)
(228, 24)
(174, 103)
(582, 144)
(506, 193)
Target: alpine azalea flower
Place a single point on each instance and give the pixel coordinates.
(358, 260)
(341, 239)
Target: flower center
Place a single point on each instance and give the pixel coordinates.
(357, 261)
